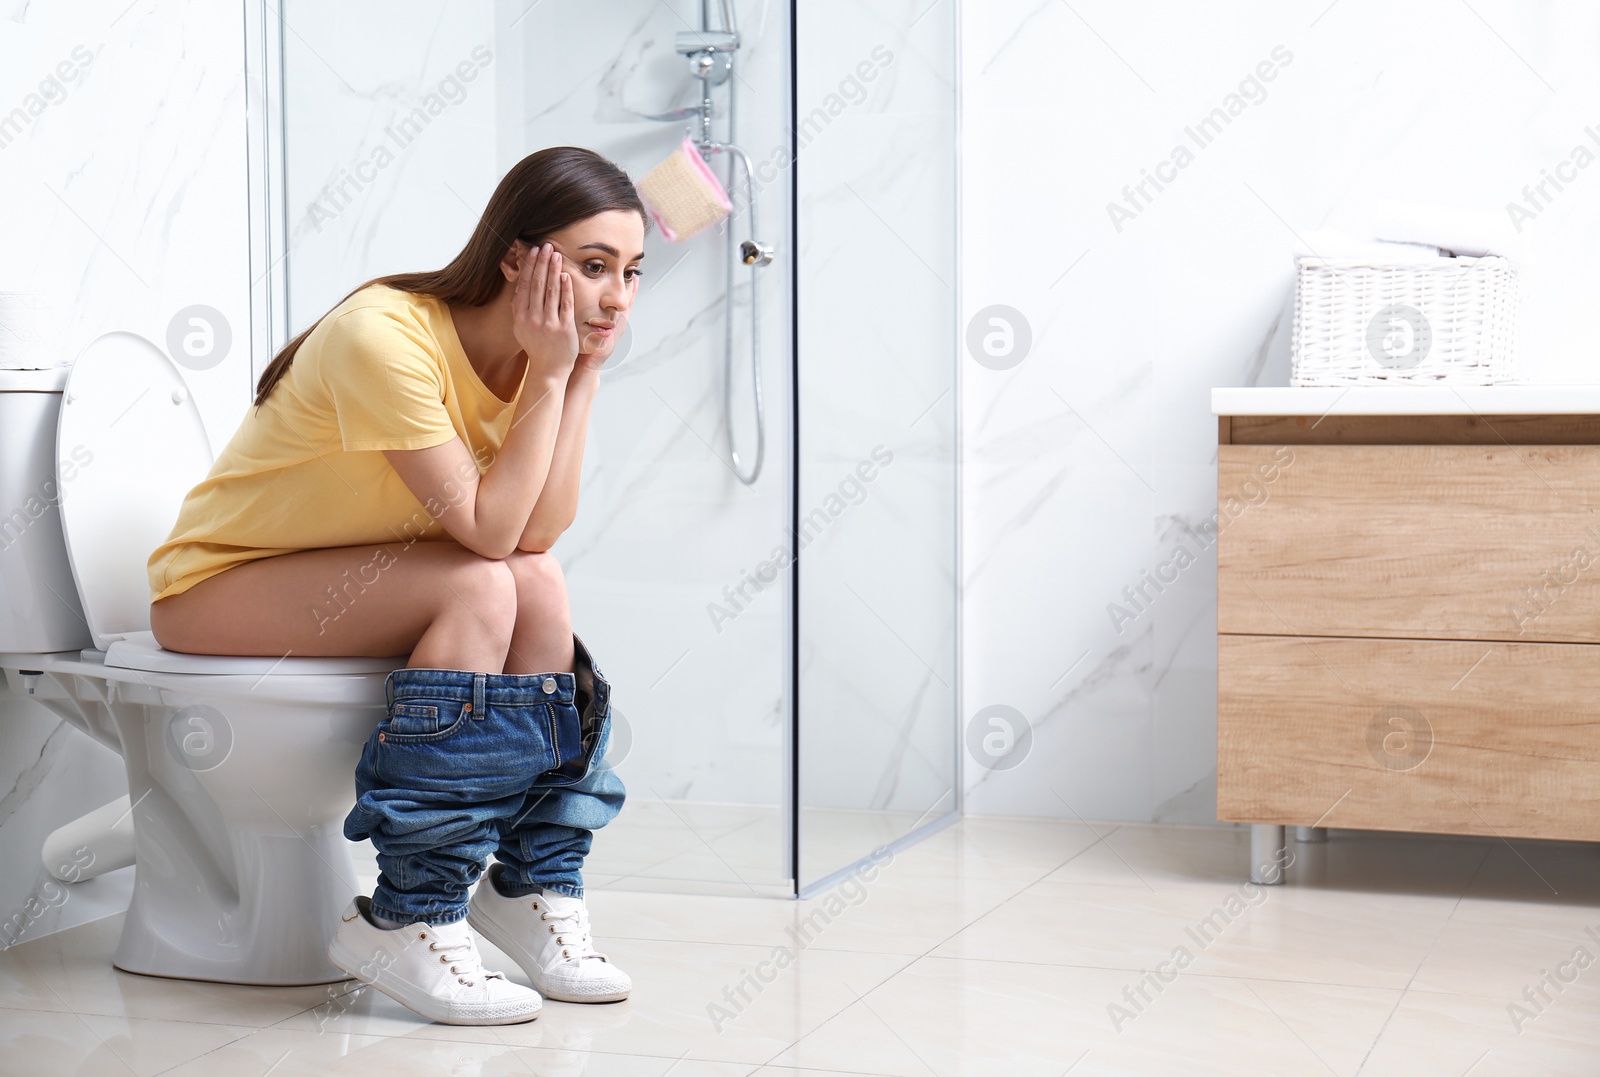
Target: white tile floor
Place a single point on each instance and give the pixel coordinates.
(994, 947)
(737, 850)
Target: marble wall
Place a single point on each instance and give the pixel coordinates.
(1090, 452)
(122, 177)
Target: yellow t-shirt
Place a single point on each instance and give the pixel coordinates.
(383, 370)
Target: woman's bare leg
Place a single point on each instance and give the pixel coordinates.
(542, 639)
(442, 604)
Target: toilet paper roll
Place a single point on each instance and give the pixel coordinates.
(30, 331)
(1474, 232)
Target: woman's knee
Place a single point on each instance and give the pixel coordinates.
(484, 588)
(540, 586)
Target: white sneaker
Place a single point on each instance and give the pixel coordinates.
(548, 935)
(433, 970)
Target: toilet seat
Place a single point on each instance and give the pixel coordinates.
(139, 650)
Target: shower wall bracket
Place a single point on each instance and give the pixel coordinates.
(689, 42)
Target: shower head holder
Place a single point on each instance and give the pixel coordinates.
(689, 42)
(710, 53)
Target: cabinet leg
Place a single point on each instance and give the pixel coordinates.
(1267, 853)
(1311, 834)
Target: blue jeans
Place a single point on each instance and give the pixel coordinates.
(466, 764)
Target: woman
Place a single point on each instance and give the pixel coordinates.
(410, 460)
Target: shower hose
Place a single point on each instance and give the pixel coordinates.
(755, 324)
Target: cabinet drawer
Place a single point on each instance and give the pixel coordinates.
(1435, 736)
(1490, 542)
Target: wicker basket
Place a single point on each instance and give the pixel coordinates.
(1452, 321)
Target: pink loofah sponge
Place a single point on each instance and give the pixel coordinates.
(683, 194)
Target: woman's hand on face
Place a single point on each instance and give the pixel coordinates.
(590, 361)
(542, 318)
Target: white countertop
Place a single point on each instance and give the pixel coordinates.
(1408, 400)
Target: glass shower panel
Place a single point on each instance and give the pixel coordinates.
(875, 101)
(399, 120)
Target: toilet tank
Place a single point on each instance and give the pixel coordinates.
(39, 606)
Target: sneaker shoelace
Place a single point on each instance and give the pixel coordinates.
(571, 930)
(464, 960)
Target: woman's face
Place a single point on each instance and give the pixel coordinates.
(602, 255)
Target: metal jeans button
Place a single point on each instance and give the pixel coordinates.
(549, 685)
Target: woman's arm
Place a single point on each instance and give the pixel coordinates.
(558, 501)
(488, 514)
(483, 513)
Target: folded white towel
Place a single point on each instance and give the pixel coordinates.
(1456, 229)
(1333, 244)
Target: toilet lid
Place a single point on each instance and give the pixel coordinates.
(129, 448)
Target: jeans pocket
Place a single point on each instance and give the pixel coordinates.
(414, 721)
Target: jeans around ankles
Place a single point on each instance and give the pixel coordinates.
(466, 764)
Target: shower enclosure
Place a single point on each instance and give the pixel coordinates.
(780, 625)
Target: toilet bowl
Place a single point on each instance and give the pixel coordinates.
(240, 768)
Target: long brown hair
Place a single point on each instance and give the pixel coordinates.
(543, 193)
